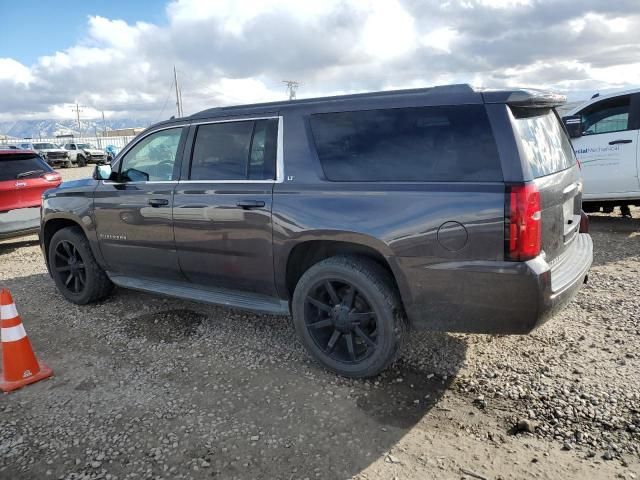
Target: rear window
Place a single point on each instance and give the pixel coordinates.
(419, 144)
(546, 146)
(13, 167)
(44, 146)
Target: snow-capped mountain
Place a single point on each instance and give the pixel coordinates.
(50, 128)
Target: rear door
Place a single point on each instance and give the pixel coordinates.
(552, 165)
(608, 147)
(222, 205)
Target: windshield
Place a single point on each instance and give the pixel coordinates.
(44, 146)
(546, 146)
(21, 166)
(86, 145)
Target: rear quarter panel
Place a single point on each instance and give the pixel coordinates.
(425, 230)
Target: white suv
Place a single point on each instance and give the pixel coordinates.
(605, 132)
(84, 153)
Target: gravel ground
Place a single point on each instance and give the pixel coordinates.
(148, 387)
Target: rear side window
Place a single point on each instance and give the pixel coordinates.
(243, 150)
(546, 146)
(14, 167)
(420, 144)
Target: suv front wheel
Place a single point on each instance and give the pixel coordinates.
(75, 271)
(349, 316)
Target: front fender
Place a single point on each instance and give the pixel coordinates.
(70, 203)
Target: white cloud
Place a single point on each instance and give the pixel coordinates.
(14, 72)
(440, 39)
(389, 31)
(239, 51)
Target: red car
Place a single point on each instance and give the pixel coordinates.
(24, 176)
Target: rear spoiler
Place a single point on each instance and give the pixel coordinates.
(531, 98)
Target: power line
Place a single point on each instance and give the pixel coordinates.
(164, 105)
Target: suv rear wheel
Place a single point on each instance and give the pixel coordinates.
(349, 316)
(75, 271)
(82, 162)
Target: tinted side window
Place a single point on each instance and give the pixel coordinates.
(610, 115)
(452, 143)
(235, 151)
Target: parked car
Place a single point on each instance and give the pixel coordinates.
(24, 176)
(364, 216)
(51, 153)
(85, 153)
(605, 134)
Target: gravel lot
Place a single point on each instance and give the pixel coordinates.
(148, 387)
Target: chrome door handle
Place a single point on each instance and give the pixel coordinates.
(616, 142)
(158, 202)
(248, 204)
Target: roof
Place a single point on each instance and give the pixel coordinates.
(598, 98)
(17, 152)
(456, 94)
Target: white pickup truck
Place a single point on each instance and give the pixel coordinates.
(84, 153)
(605, 132)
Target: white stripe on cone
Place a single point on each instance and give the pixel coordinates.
(12, 334)
(8, 311)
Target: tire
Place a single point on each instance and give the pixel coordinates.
(319, 320)
(92, 284)
(82, 162)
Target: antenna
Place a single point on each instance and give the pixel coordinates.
(292, 87)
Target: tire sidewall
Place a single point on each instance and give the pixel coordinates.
(388, 336)
(81, 244)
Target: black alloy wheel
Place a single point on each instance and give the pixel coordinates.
(341, 321)
(69, 266)
(348, 314)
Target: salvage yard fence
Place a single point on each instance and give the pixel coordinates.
(101, 142)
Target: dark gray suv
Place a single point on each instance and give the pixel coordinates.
(362, 216)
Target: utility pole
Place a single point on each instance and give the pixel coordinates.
(104, 125)
(77, 111)
(178, 93)
(292, 87)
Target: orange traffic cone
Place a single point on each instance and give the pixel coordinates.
(20, 365)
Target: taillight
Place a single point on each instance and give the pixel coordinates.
(524, 232)
(52, 177)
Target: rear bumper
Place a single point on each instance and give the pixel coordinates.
(19, 222)
(496, 297)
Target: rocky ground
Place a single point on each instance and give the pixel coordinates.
(147, 387)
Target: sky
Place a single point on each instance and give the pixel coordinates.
(117, 57)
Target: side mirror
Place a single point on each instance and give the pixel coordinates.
(102, 172)
(573, 123)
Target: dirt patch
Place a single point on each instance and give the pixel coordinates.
(166, 326)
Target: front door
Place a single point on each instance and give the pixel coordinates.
(608, 148)
(133, 212)
(222, 205)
